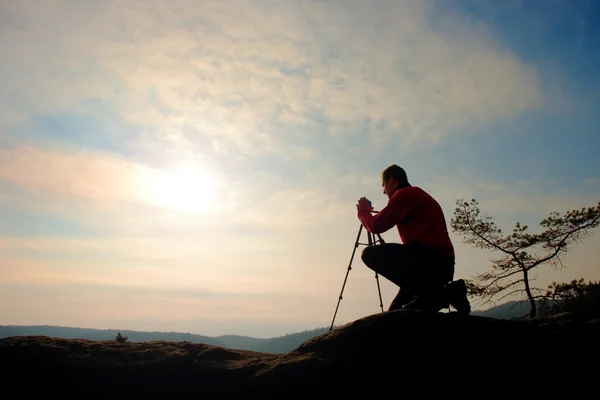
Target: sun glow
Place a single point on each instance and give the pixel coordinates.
(186, 189)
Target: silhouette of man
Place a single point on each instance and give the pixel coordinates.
(423, 264)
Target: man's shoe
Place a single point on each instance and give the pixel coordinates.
(457, 296)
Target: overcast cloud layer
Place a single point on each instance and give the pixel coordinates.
(278, 115)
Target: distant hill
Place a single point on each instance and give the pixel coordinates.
(66, 332)
(508, 310)
(286, 343)
(276, 345)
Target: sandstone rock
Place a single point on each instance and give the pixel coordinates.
(403, 351)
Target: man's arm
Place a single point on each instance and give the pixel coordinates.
(393, 213)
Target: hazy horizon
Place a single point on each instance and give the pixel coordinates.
(194, 165)
(124, 329)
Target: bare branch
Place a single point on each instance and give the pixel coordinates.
(561, 245)
(516, 291)
(493, 278)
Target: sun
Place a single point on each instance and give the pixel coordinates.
(186, 189)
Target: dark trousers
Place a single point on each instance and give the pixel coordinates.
(414, 268)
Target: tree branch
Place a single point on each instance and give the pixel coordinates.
(495, 279)
(486, 240)
(561, 244)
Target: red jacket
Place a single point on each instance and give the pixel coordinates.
(418, 217)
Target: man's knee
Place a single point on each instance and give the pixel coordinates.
(368, 255)
(383, 254)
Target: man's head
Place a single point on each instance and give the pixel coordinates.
(392, 178)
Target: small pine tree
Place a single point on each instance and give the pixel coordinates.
(120, 338)
(521, 252)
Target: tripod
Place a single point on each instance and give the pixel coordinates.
(371, 242)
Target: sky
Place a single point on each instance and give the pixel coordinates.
(194, 166)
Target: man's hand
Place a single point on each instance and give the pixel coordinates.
(364, 205)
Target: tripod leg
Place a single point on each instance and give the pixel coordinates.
(379, 290)
(346, 277)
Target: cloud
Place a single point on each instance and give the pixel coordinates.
(254, 78)
(134, 304)
(161, 264)
(114, 194)
(82, 173)
(102, 177)
(280, 103)
(533, 197)
(111, 191)
(592, 181)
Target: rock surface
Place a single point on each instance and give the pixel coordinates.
(404, 352)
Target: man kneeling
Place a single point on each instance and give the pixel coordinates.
(423, 265)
